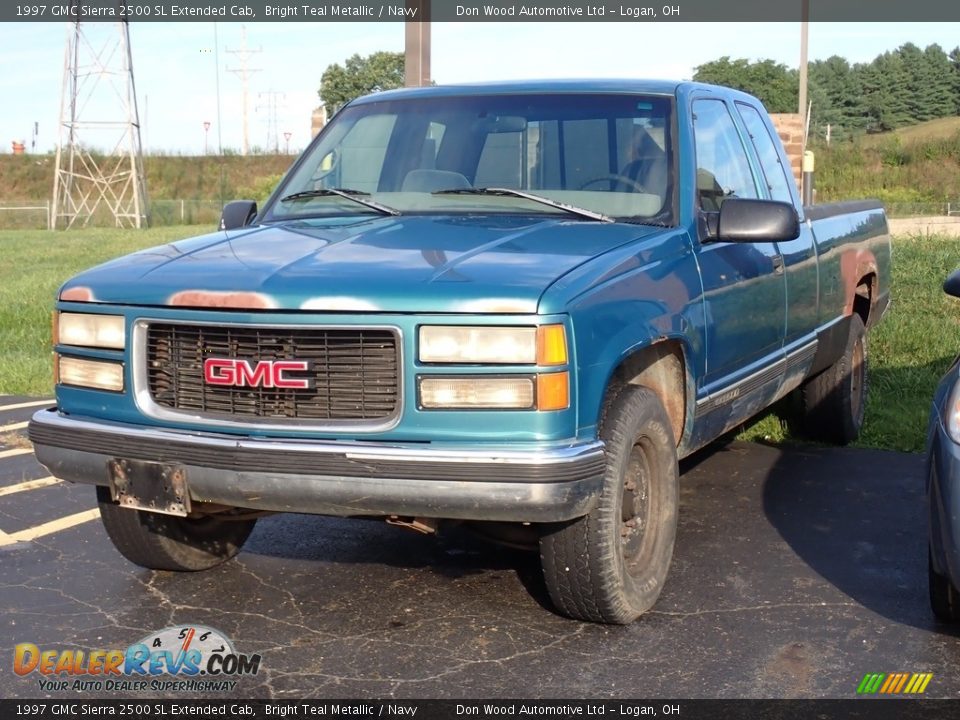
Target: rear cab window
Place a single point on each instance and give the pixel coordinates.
(771, 163)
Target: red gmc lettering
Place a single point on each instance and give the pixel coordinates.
(266, 373)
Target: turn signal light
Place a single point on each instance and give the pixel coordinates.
(551, 345)
(553, 391)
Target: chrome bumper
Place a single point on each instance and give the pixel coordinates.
(336, 478)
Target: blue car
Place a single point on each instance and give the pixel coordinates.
(943, 487)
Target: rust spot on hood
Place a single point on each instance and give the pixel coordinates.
(77, 294)
(222, 299)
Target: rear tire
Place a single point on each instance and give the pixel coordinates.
(167, 542)
(610, 565)
(944, 597)
(834, 401)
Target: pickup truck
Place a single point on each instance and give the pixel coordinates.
(512, 306)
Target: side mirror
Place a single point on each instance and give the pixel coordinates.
(755, 221)
(238, 214)
(951, 286)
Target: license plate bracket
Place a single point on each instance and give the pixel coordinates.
(151, 486)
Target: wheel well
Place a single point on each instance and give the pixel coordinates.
(863, 297)
(662, 368)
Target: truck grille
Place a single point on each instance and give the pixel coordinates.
(354, 372)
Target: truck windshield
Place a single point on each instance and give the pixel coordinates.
(608, 154)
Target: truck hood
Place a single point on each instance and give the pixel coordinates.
(402, 264)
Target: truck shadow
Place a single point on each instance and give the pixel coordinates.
(454, 553)
(857, 518)
(854, 517)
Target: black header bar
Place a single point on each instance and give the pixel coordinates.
(78, 708)
(631, 11)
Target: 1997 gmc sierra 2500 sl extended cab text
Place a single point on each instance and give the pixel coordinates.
(514, 305)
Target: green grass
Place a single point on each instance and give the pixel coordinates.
(908, 351)
(32, 266)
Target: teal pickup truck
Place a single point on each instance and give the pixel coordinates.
(509, 305)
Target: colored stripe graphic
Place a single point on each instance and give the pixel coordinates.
(918, 683)
(870, 683)
(894, 683)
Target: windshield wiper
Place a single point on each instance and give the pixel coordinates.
(508, 192)
(661, 219)
(354, 195)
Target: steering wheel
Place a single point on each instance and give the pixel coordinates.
(614, 180)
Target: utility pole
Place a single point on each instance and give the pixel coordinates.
(416, 37)
(244, 72)
(804, 32)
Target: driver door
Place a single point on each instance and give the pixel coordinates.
(744, 287)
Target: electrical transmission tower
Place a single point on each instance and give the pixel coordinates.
(99, 169)
(270, 105)
(244, 72)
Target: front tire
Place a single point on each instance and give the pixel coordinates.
(944, 596)
(166, 542)
(834, 401)
(610, 565)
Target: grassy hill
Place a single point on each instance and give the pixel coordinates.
(940, 129)
(169, 177)
(913, 169)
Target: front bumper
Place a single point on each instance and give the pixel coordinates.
(336, 478)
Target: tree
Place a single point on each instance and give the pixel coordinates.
(885, 86)
(955, 61)
(774, 84)
(930, 92)
(358, 76)
(942, 93)
(835, 98)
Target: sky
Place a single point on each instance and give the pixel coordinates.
(176, 69)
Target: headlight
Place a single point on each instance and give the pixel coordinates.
(544, 345)
(952, 412)
(95, 374)
(88, 330)
(546, 391)
(494, 345)
(512, 393)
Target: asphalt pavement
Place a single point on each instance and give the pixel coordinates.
(796, 571)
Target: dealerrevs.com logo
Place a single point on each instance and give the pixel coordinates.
(186, 658)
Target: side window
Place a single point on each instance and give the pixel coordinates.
(773, 169)
(431, 144)
(363, 150)
(586, 152)
(722, 167)
(501, 161)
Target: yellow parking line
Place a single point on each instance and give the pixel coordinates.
(20, 406)
(14, 452)
(49, 528)
(14, 426)
(29, 485)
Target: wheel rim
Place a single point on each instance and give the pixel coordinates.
(635, 506)
(857, 368)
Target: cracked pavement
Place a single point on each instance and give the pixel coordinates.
(796, 571)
